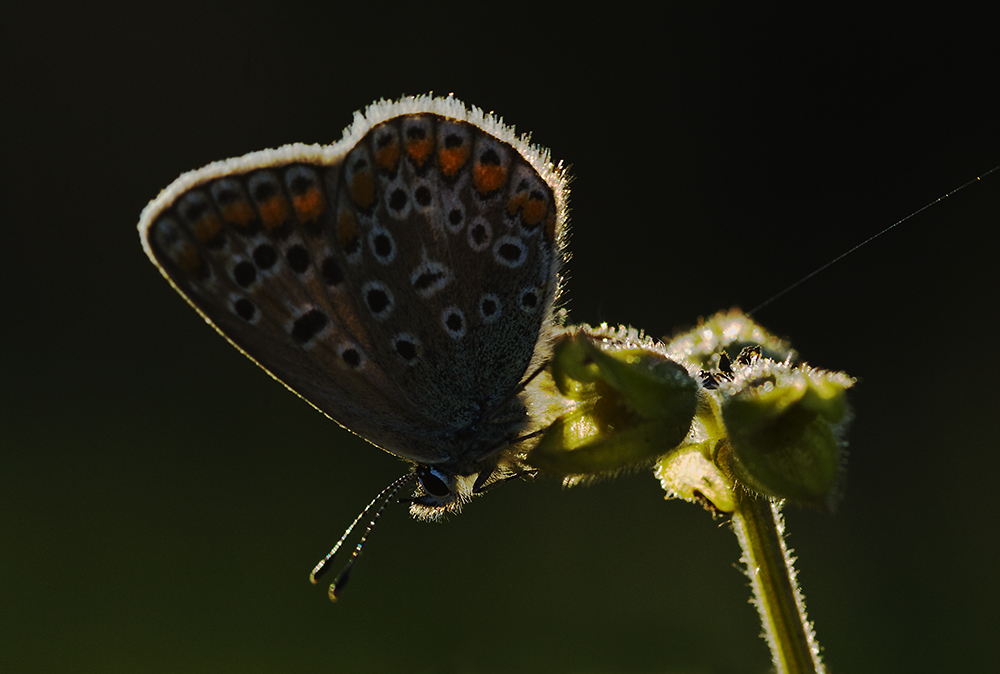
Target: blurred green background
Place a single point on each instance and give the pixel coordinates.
(162, 500)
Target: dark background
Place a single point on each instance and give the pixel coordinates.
(163, 500)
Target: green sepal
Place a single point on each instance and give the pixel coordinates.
(634, 404)
(569, 448)
(784, 434)
(573, 369)
(653, 385)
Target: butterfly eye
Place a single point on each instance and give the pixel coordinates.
(434, 482)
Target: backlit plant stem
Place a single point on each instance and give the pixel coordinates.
(760, 529)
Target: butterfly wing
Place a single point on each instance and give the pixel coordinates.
(399, 280)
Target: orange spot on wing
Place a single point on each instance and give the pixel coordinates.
(419, 150)
(239, 213)
(452, 160)
(363, 189)
(274, 211)
(534, 211)
(387, 157)
(309, 205)
(489, 177)
(516, 203)
(189, 259)
(207, 227)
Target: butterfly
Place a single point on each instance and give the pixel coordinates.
(403, 280)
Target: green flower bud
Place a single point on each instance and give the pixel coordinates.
(784, 427)
(633, 403)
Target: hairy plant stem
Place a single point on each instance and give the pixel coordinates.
(760, 530)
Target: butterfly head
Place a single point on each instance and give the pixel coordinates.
(444, 489)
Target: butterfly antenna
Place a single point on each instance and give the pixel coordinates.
(866, 241)
(385, 496)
